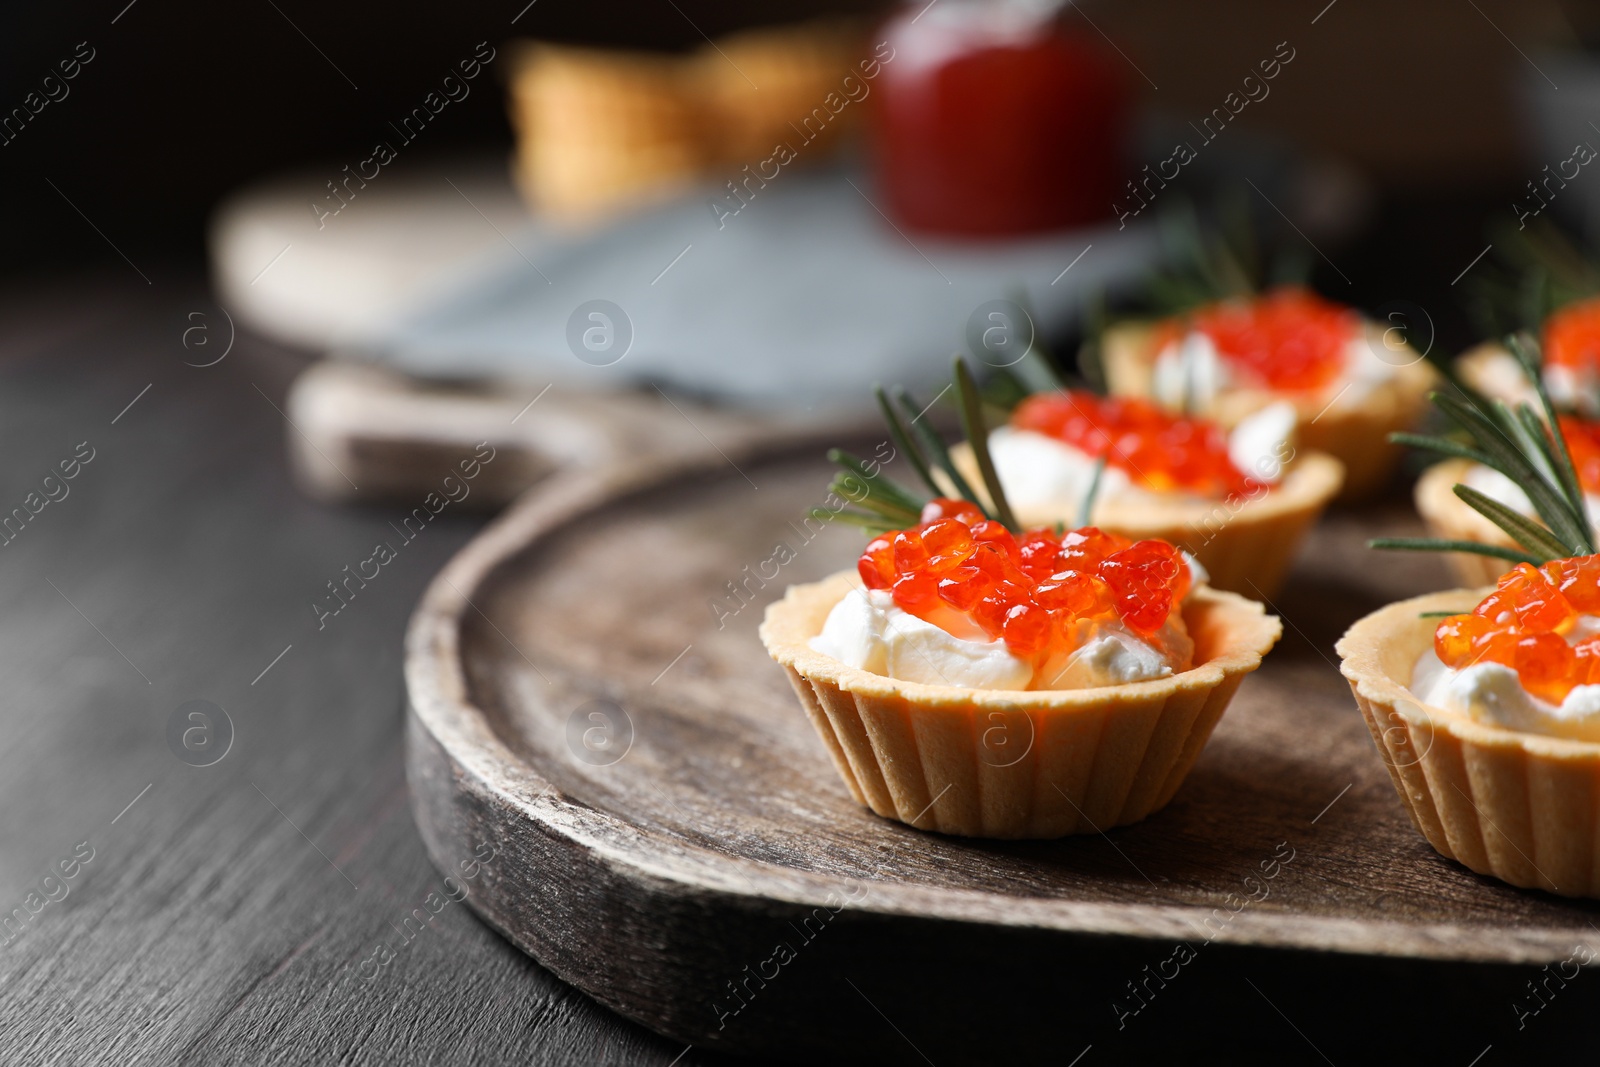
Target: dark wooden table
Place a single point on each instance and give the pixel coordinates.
(226, 910)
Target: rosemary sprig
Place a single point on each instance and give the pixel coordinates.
(902, 440)
(1036, 370)
(1086, 509)
(881, 504)
(1525, 445)
(1439, 544)
(978, 437)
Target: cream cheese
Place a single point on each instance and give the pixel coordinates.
(867, 629)
(1575, 388)
(1190, 373)
(1044, 474)
(1491, 693)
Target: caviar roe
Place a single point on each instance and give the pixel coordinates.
(1524, 625)
(1028, 589)
(1288, 338)
(1583, 443)
(1572, 335)
(1156, 449)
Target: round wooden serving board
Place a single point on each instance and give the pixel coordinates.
(671, 837)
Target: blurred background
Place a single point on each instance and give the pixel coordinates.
(1428, 112)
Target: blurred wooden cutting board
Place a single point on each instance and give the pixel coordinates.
(448, 309)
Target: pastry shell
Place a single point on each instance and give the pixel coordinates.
(1356, 434)
(1522, 807)
(1450, 517)
(1016, 763)
(1245, 548)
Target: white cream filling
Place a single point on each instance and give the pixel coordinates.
(1190, 373)
(1108, 653)
(1259, 444)
(1369, 363)
(1491, 693)
(1574, 388)
(1500, 375)
(1039, 472)
(1042, 473)
(867, 629)
(1491, 483)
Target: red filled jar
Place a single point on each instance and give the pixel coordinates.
(996, 119)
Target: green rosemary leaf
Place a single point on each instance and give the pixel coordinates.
(978, 439)
(1531, 437)
(877, 486)
(1548, 499)
(1036, 373)
(872, 524)
(1525, 349)
(1004, 390)
(902, 441)
(1036, 369)
(1443, 445)
(890, 511)
(1438, 614)
(1439, 544)
(1292, 266)
(933, 446)
(1086, 509)
(1091, 353)
(1238, 238)
(1523, 530)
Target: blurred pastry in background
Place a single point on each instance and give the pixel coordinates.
(605, 129)
(792, 84)
(1541, 281)
(598, 126)
(1351, 381)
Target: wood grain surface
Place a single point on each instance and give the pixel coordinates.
(225, 914)
(672, 863)
(211, 927)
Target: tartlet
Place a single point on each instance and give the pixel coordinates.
(599, 129)
(1489, 720)
(1353, 429)
(1246, 537)
(927, 755)
(984, 679)
(1522, 807)
(1569, 367)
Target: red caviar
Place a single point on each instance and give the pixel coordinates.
(1572, 335)
(1029, 589)
(1155, 448)
(1523, 625)
(1288, 338)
